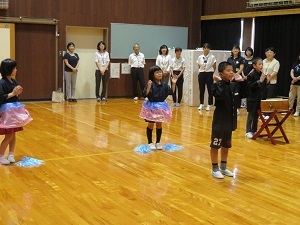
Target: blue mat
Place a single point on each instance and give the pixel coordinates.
(144, 149)
(29, 162)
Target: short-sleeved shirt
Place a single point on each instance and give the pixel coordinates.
(164, 62)
(178, 64)
(102, 58)
(236, 62)
(296, 68)
(248, 66)
(137, 60)
(270, 67)
(158, 92)
(72, 60)
(206, 63)
(7, 87)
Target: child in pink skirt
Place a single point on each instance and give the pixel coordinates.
(13, 115)
(155, 109)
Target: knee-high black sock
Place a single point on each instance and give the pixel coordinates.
(158, 134)
(149, 135)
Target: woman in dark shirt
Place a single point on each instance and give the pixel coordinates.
(248, 67)
(295, 86)
(71, 60)
(12, 114)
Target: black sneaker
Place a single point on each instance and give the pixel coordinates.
(70, 100)
(74, 100)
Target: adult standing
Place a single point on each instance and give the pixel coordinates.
(248, 65)
(237, 62)
(102, 62)
(71, 60)
(295, 86)
(207, 66)
(163, 60)
(137, 62)
(270, 68)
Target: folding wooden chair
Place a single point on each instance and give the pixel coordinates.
(273, 107)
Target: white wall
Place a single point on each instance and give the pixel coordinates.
(6, 41)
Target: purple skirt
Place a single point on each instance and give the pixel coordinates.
(156, 111)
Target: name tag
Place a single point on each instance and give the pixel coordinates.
(237, 69)
(236, 93)
(250, 62)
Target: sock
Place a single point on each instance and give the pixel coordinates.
(223, 165)
(215, 167)
(149, 135)
(158, 134)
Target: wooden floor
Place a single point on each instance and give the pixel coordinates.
(93, 176)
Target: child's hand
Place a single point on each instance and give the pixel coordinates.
(238, 78)
(216, 78)
(262, 77)
(18, 90)
(149, 83)
(174, 79)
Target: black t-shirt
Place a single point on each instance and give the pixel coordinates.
(296, 68)
(7, 87)
(236, 63)
(72, 59)
(248, 66)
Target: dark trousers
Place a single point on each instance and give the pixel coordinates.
(104, 79)
(272, 91)
(252, 120)
(179, 87)
(205, 78)
(137, 76)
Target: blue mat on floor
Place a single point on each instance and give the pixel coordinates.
(29, 162)
(167, 147)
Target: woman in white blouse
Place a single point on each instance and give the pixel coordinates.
(163, 60)
(207, 66)
(270, 68)
(102, 62)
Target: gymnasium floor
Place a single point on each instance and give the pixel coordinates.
(92, 175)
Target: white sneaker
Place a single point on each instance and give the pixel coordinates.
(4, 161)
(159, 146)
(227, 173)
(136, 98)
(249, 135)
(217, 174)
(266, 117)
(238, 112)
(11, 158)
(208, 107)
(177, 104)
(152, 146)
(201, 107)
(296, 113)
(174, 104)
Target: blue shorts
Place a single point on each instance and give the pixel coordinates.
(220, 139)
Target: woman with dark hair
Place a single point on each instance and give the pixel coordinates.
(13, 115)
(163, 60)
(102, 62)
(71, 60)
(270, 68)
(237, 62)
(155, 109)
(295, 86)
(248, 67)
(207, 66)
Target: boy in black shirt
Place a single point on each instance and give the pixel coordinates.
(226, 94)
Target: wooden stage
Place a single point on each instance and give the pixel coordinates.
(92, 175)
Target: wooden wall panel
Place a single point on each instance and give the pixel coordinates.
(100, 13)
(216, 7)
(35, 56)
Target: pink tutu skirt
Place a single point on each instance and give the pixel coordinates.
(156, 111)
(13, 115)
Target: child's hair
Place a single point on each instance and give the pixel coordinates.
(178, 49)
(69, 44)
(152, 70)
(237, 47)
(206, 45)
(101, 43)
(222, 66)
(298, 60)
(255, 60)
(7, 67)
(161, 47)
(271, 49)
(250, 50)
